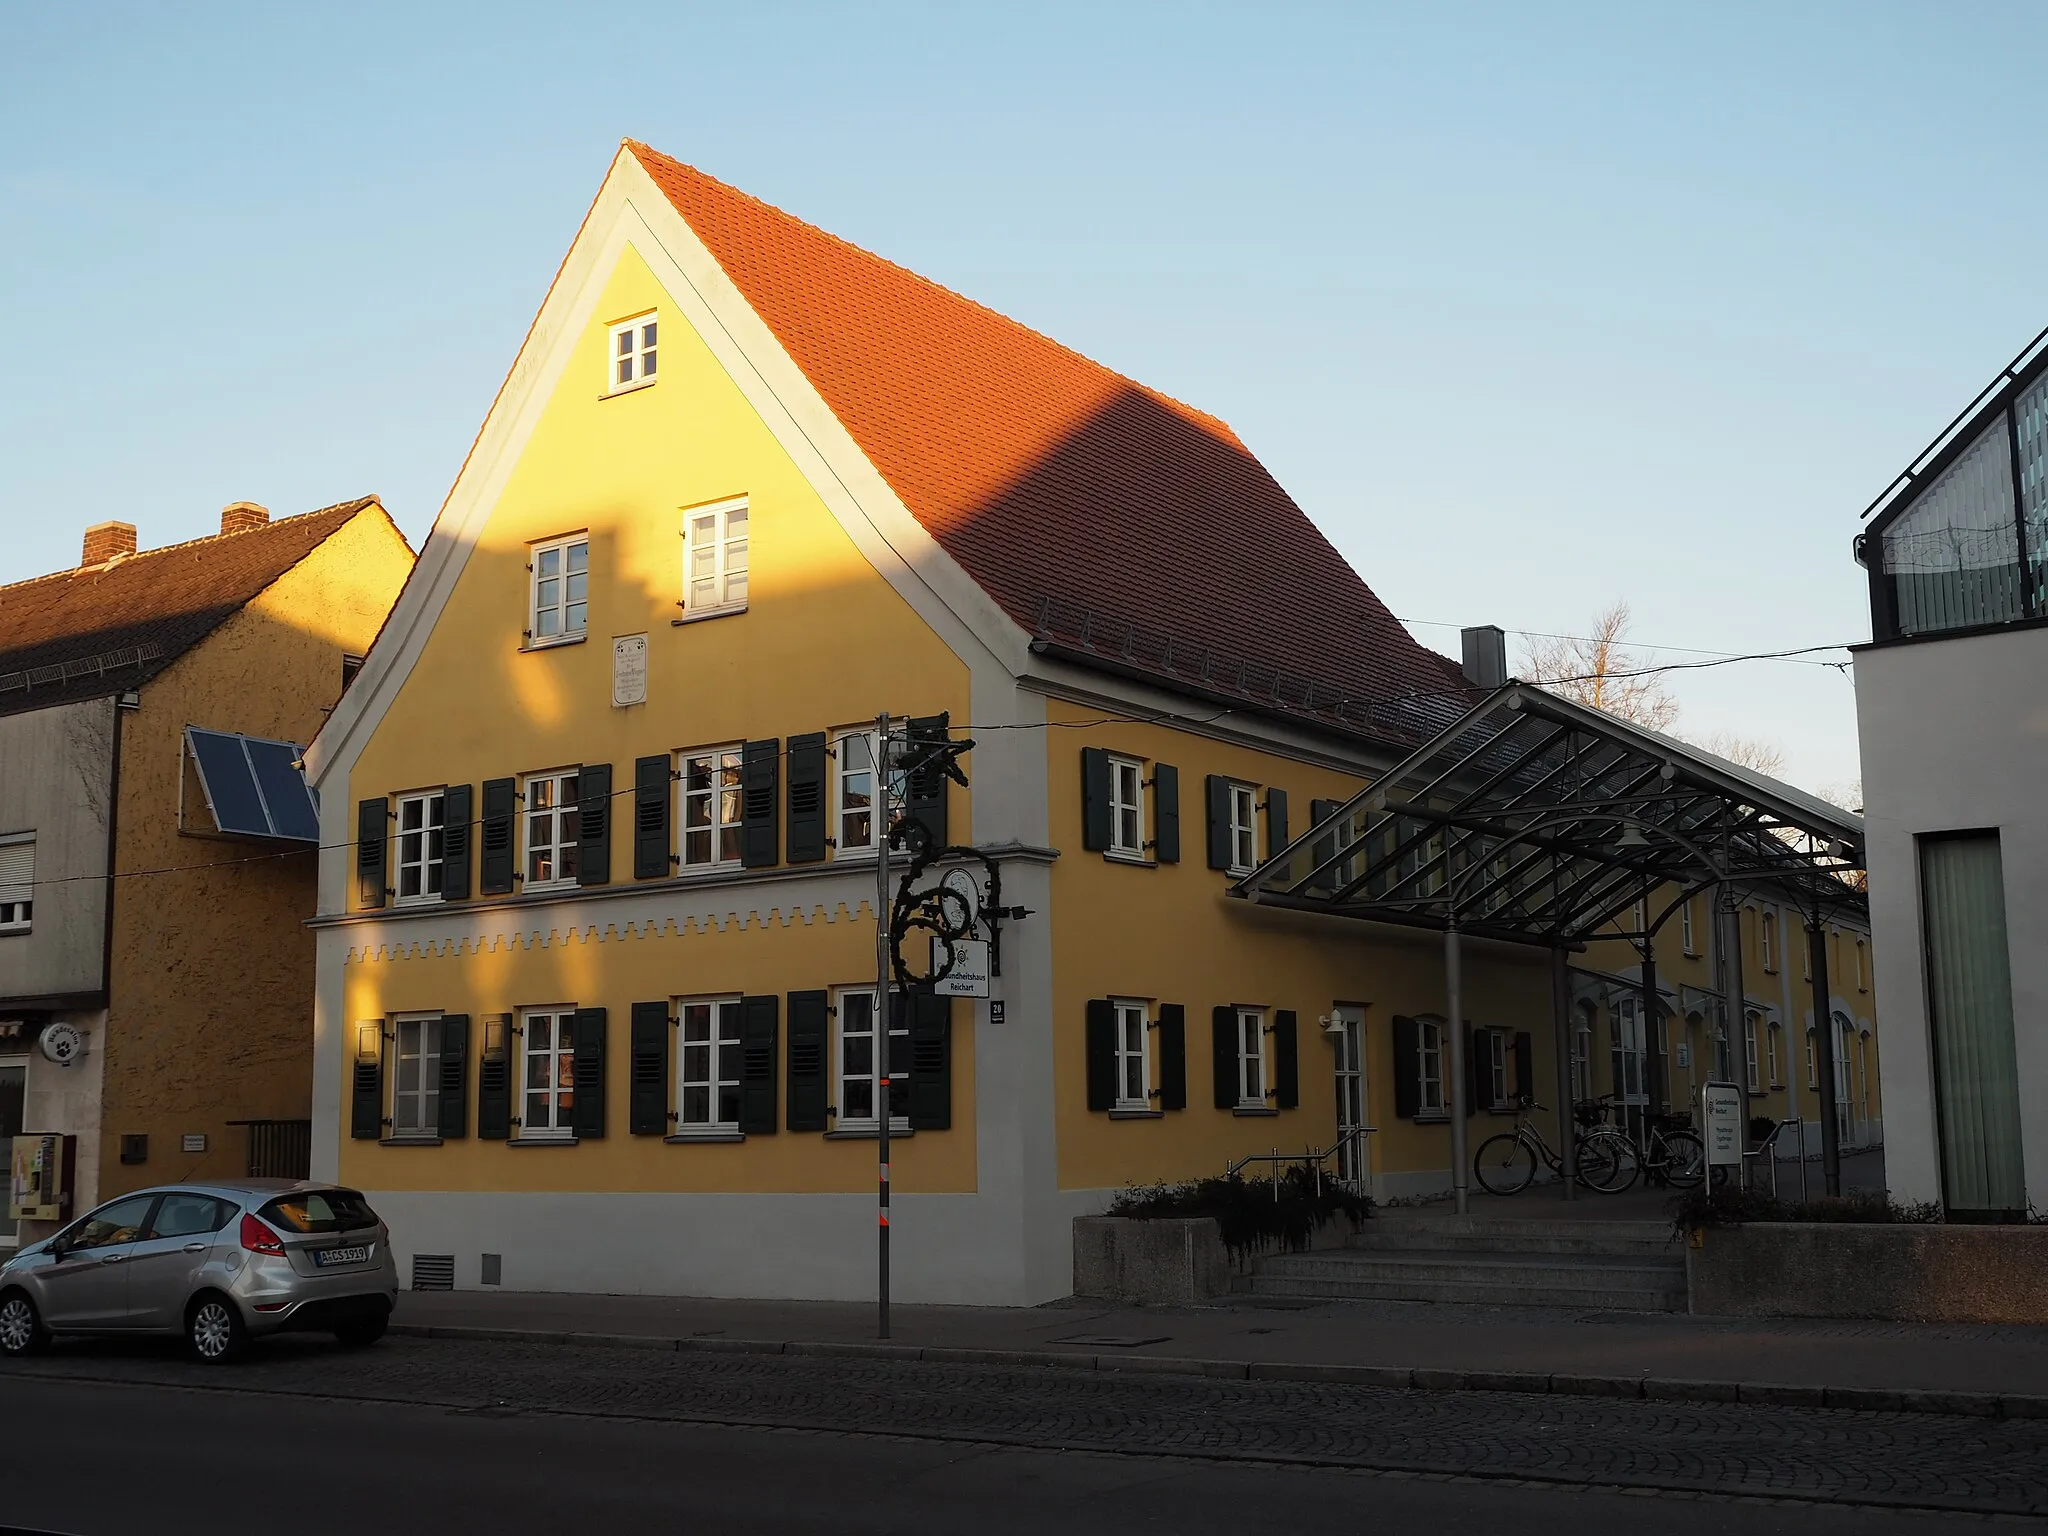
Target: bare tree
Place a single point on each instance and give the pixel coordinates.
(1596, 669)
(1765, 757)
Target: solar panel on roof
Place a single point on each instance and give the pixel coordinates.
(252, 787)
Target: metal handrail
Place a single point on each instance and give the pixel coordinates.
(1308, 1157)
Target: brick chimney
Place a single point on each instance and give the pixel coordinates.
(105, 541)
(241, 516)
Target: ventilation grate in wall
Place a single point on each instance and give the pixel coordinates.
(433, 1271)
(493, 1269)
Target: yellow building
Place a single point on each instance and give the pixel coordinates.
(595, 1004)
(157, 864)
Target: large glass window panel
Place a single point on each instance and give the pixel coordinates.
(1953, 559)
(2030, 420)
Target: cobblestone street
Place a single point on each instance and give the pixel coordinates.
(1914, 1460)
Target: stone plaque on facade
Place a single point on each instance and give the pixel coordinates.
(629, 670)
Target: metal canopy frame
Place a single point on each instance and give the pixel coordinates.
(1536, 820)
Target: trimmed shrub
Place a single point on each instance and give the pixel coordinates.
(1248, 1217)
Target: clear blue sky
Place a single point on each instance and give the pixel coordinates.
(1530, 306)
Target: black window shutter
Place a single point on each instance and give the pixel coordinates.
(1173, 1056)
(1286, 1060)
(759, 762)
(806, 818)
(925, 792)
(1095, 818)
(1407, 1067)
(1223, 1053)
(1276, 821)
(458, 809)
(647, 1082)
(494, 1082)
(496, 856)
(1525, 1064)
(594, 824)
(652, 778)
(454, 1106)
(1479, 1070)
(758, 1019)
(366, 1108)
(1216, 793)
(1101, 1053)
(931, 1062)
(588, 1110)
(810, 1038)
(1166, 813)
(370, 831)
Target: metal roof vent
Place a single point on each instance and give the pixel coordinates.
(1486, 655)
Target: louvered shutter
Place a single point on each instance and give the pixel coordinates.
(1096, 829)
(653, 778)
(1223, 1055)
(18, 871)
(1286, 1060)
(925, 790)
(453, 1109)
(1166, 813)
(1216, 805)
(931, 1062)
(647, 1081)
(806, 798)
(458, 809)
(759, 776)
(497, 856)
(1276, 821)
(1525, 1065)
(594, 824)
(366, 1104)
(494, 1081)
(371, 816)
(588, 1111)
(809, 1049)
(1101, 1049)
(1173, 1056)
(1407, 1067)
(757, 1064)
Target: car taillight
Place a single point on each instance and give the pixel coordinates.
(258, 1238)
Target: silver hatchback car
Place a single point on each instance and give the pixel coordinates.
(218, 1263)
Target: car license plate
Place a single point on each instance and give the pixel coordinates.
(327, 1258)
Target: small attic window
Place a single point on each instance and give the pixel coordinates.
(630, 356)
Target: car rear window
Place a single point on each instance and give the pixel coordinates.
(320, 1210)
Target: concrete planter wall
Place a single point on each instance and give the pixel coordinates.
(1930, 1274)
(1167, 1260)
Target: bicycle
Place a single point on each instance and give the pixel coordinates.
(1604, 1159)
(1673, 1153)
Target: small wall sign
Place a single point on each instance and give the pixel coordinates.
(995, 1010)
(1723, 1105)
(629, 671)
(193, 1141)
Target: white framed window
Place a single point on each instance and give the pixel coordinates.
(630, 353)
(419, 846)
(1244, 829)
(1812, 1063)
(1429, 1067)
(1724, 1052)
(1862, 974)
(416, 1075)
(547, 1071)
(1495, 1042)
(1749, 1023)
(1768, 942)
(1251, 1058)
(715, 559)
(854, 812)
(858, 1061)
(17, 882)
(1687, 941)
(708, 1063)
(1806, 959)
(709, 803)
(1133, 1054)
(1774, 1055)
(558, 605)
(1582, 1054)
(1127, 807)
(552, 823)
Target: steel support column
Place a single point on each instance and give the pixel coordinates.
(1734, 1000)
(1561, 1021)
(1824, 1058)
(1454, 1027)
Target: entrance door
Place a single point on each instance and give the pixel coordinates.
(1351, 1159)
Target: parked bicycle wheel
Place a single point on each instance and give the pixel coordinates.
(1687, 1156)
(1607, 1161)
(1505, 1165)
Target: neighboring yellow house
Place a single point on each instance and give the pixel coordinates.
(596, 939)
(157, 860)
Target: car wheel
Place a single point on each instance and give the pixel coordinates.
(21, 1326)
(215, 1331)
(361, 1332)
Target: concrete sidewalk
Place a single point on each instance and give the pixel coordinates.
(1398, 1343)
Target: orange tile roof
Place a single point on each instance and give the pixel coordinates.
(89, 631)
(1061, 487)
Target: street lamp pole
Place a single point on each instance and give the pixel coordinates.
(884, 1018)
(1454, 987)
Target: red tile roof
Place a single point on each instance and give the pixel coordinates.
(87, 632)
(1065, 489)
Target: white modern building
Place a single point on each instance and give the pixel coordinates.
(1952, 707)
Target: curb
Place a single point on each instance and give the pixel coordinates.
(1976, 1405)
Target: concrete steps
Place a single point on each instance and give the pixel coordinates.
(1631, 1266)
